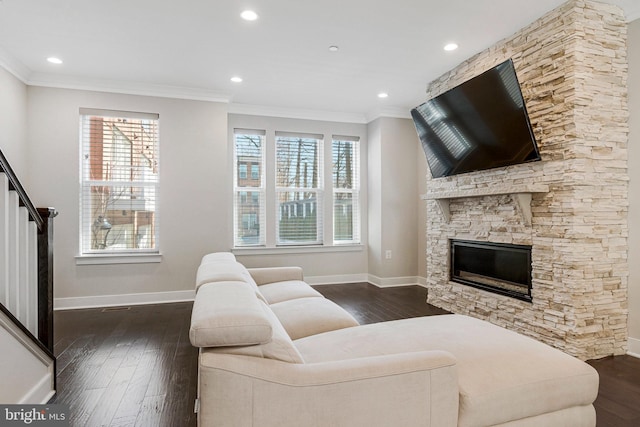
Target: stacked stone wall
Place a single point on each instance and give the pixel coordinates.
(572, 68)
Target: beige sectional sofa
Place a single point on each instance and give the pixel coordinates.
(274, 352)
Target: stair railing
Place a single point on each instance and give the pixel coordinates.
(43, 219)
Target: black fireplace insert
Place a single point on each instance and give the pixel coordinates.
(496, 267)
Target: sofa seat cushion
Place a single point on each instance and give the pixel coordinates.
(229, 314)
(287, 290)
(503, 376)
(266, 275)
(302, 317)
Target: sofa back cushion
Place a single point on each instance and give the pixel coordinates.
(225, 271)
(228, 314)
(230, 317)
(220, 271)
(217, 257)
(280, 347)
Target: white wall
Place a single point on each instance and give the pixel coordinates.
(633, 48)
(394, 199)
(350, 265)
(374, 181)
(13, 123)
(196, 191)
(193, 200)
(196, 194)
(27, 373)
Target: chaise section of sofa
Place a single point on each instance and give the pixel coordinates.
(502, 376)
(297, 359)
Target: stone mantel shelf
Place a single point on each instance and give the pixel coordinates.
(521, 194)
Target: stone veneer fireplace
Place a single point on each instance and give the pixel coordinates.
(570, 208)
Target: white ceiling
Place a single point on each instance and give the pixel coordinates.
(192, 48)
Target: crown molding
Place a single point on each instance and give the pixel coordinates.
(125, 87)
(26, 76)
(296, 113)
(329, 116)
(393, 112)
(13, 66)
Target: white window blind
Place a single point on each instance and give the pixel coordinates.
(299, 190)
(346, 189)
(119, 182)
(249, 187)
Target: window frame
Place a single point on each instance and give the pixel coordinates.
(268, 170)
(240, 191)
(356, 219)
(300, 210)
(87, 254)
(242, 171)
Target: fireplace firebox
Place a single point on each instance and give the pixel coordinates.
(496, 267)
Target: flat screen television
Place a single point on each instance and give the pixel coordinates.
(480, 124)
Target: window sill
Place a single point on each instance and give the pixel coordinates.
(279, 250)
(103, 259)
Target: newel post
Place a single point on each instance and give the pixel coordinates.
(45, 277)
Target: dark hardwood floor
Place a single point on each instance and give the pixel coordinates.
(370, 304)
(618, 402)
(127, 367)
(136, 367)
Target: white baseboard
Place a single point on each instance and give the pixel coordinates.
(40, 393)
(388, 282)
(124, 299)
(380, 282)
(332, 280)
(97, 301)
(634, 347)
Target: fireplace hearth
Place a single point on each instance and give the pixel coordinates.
(495, 267)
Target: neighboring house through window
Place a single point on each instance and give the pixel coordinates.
(299, 172)
(119, 182)
(345, 153)
(296, 166)
(249, 190)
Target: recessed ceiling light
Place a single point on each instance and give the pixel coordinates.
(333, 48)
(249, 15)
(54, 60)
(383, 95)
(236, 79)
(450, 46)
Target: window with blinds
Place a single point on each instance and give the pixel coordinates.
(346, 189)
(299, 187)
(249, 187)
(119, 182)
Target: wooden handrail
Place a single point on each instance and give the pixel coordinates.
(27, 332)
(45, 261)
(15, 185)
